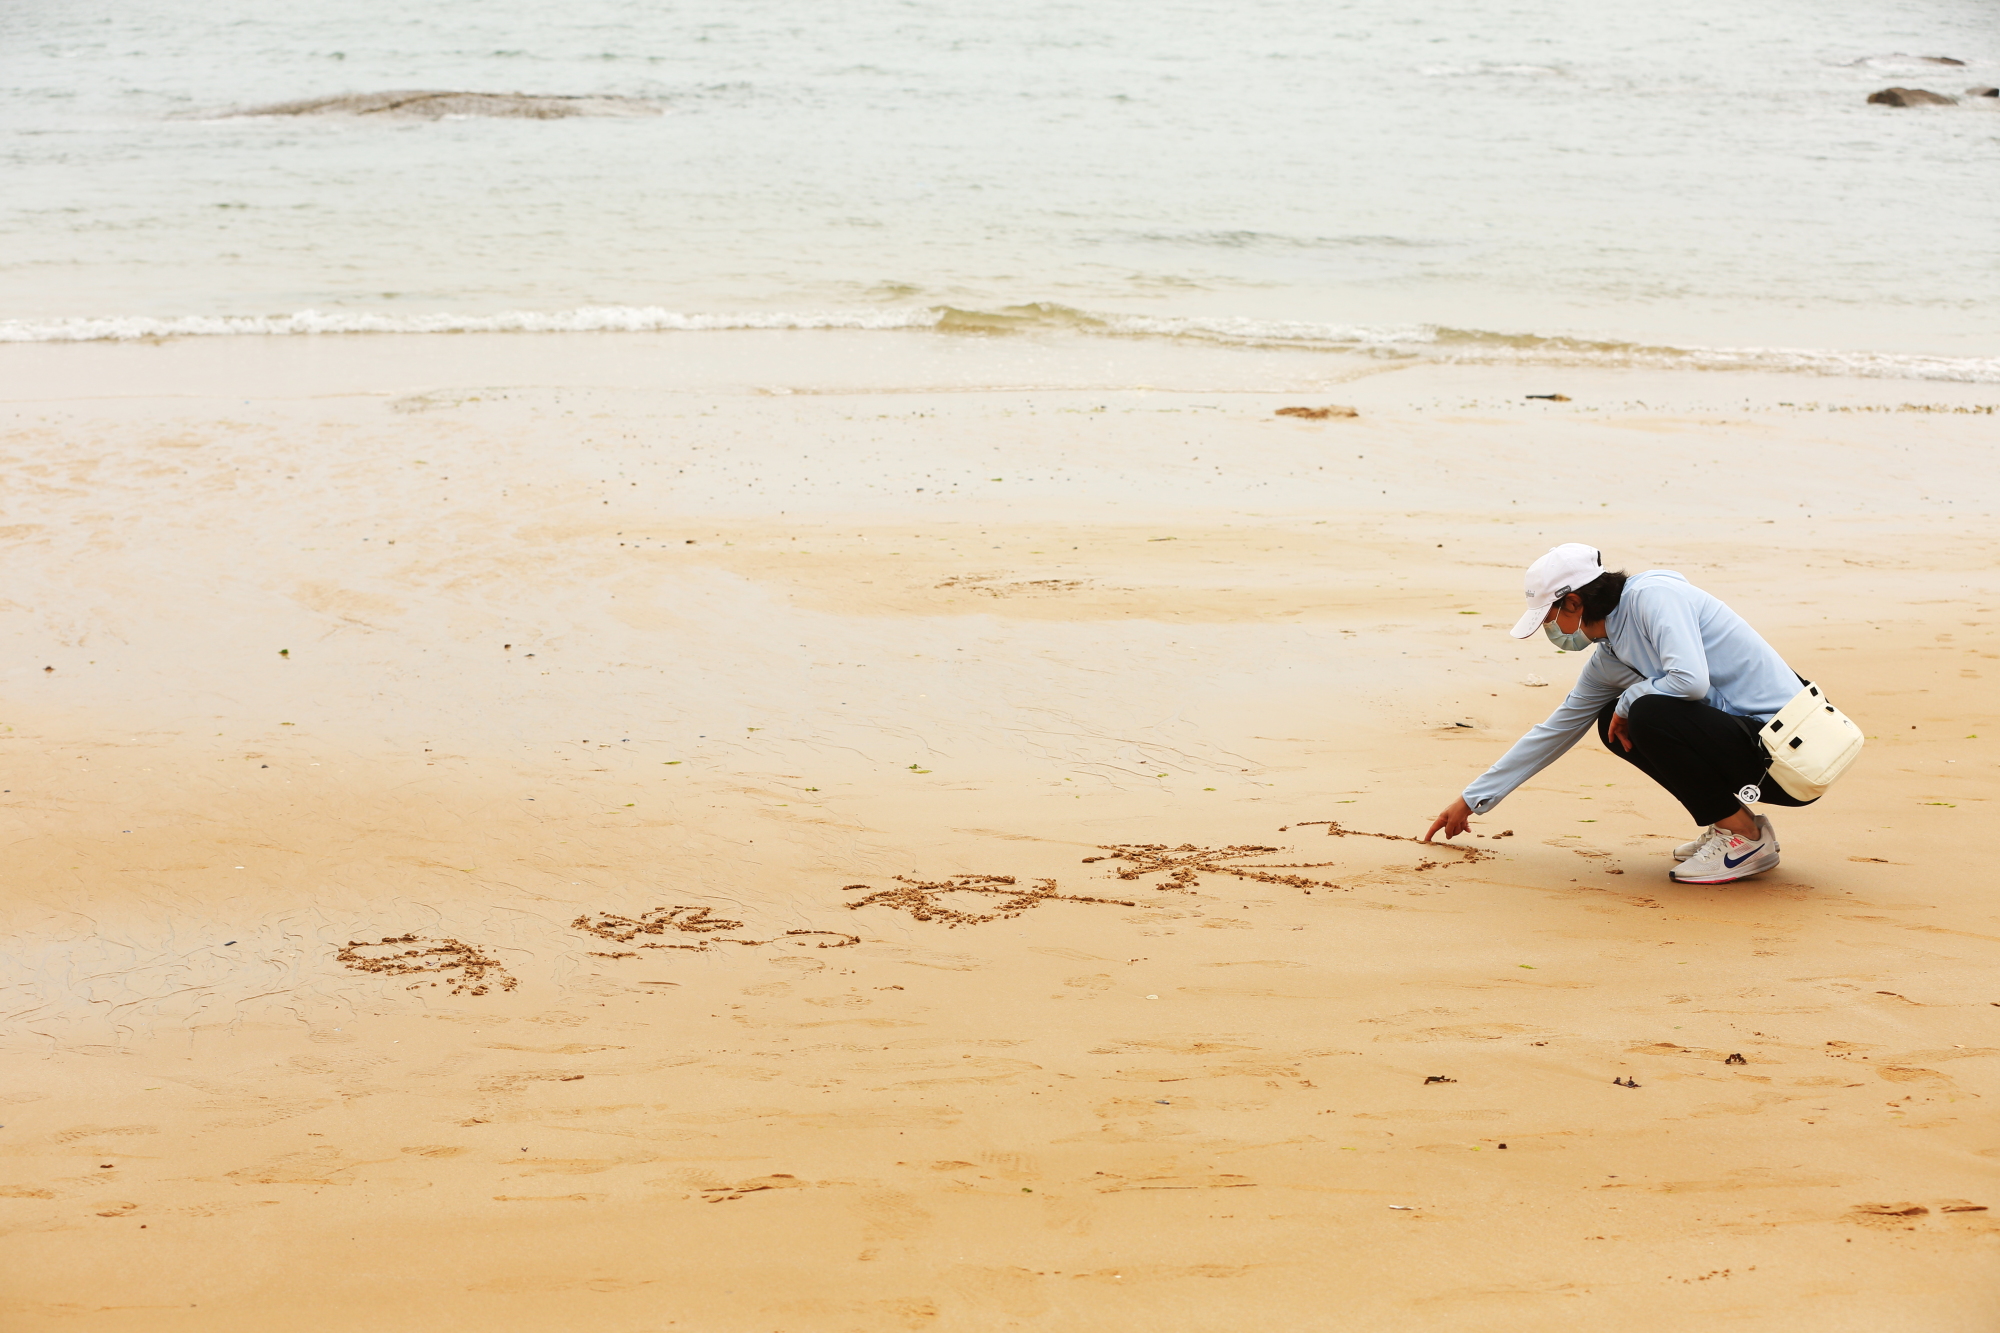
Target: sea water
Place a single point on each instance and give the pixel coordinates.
(1694, 183)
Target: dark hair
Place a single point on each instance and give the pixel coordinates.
(1600, 595)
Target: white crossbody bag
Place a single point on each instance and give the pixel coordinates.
(1811, 743)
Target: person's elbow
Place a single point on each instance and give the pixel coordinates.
(1685, 685)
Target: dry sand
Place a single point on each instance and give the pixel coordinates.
(486, 819)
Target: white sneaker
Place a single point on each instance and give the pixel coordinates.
(1687, 851)
(1731, 857)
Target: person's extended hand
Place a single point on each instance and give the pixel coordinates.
(1619, 733)
(1454, 820)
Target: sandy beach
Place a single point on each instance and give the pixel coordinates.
(892, 831)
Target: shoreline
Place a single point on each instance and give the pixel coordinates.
(1033, 338)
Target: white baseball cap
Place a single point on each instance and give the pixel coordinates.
(1556, 575)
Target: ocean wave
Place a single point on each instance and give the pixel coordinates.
(1487, 68)
(1269, 240)
(586, 319)
(1443, 343)
(446, 104)
(1413, 341)
(1483, 345)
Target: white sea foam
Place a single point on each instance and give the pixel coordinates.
(586, 319)
(1478, 345)
(1429, 342)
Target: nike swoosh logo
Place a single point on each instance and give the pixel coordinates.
(1730, 864)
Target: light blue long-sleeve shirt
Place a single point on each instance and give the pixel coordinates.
(1665, 636)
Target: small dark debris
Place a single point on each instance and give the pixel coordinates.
(1736, 1058)
(1503, 1147)
(1439, 1078)
(1551, 397)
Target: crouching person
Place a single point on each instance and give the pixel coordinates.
(1678, 686)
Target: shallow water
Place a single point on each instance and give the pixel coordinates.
(1473, 178)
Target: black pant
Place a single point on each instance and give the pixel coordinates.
(1700, 754)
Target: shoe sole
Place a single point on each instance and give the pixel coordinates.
(1721, 879)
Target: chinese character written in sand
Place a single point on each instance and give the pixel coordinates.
(1466, 855)
(690, 921)
(922, 898)
(1184, 865)
(468, 971)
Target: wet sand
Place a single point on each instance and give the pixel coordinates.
(639, 833)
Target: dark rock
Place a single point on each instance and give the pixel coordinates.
(1910, 97)
(419, 104)
(1982, 92)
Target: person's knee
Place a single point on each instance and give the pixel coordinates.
(1654, 721)
(1604, 720)
(1649, 712)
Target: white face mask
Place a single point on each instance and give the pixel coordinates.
(1570, 643)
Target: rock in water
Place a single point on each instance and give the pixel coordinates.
(1910, 97)
(420, 104)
